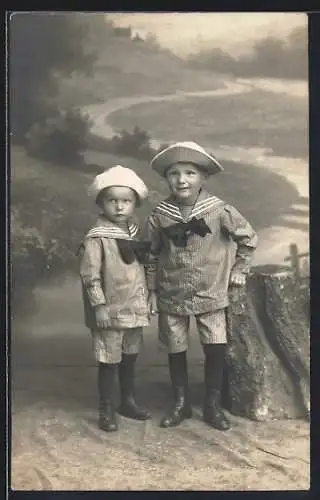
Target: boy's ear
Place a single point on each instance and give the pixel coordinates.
(205, 175)
(138, 201)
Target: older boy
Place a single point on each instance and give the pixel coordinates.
(200, 245)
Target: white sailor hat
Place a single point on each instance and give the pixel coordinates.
(118, 176)
(185, 152)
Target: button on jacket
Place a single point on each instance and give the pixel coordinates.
(107, 279)
(195, 279)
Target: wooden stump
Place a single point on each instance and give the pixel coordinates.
(268, 362)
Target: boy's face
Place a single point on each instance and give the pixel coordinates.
(185, 181)
(118, 203)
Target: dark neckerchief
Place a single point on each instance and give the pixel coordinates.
(131, 250)
(180, 232)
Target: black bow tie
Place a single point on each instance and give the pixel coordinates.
(180, 232)
(131, 250)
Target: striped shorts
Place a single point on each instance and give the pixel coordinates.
(174, 330)
(108, 345)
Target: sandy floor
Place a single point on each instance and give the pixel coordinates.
(57, 445)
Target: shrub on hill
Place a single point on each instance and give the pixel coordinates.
(60, 137)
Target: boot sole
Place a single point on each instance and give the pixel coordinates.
(214, 426)
(105, 429)
(125, 414)
(141, 419)
(188, 416)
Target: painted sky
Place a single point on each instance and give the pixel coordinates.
(187, 32)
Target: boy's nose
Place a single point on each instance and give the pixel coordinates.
(182, 179)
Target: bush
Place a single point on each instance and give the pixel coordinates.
(44, 237)
(46, 230)
(38, 255)
(135, 144)
(59, 138)
(270, 57)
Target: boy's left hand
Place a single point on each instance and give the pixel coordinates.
(152, 303)
(237, 280)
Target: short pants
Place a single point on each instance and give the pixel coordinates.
(109, 345)
(174, 330)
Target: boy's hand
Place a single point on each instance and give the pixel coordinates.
(102, 317)
(152, 303)
(237, 280)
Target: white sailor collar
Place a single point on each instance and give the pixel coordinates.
(205, 203)
(106, 229)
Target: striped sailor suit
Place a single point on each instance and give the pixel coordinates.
(107, 280)
(194, 280)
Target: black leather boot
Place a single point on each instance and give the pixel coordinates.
(213, 369)
(128, 407)
(106, 383)
(213, 413)
(181, 409)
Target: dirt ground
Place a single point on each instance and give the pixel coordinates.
(56, 444)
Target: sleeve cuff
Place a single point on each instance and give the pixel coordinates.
(96, 296)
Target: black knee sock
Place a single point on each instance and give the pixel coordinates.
(214, 364)
(127, 374)
(178, 369)
(128, 359)
(106, 380)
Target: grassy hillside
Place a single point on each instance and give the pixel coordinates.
(254, 119)
(127, 68)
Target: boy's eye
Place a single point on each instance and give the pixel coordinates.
(112, 200)
(188, 172)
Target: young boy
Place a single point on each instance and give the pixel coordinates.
(114, 290)
(200, 246)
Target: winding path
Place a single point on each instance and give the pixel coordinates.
(293, 227)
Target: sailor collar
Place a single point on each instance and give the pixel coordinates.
(204, 204)
(106, 229)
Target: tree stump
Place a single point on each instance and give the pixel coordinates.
(268, 358)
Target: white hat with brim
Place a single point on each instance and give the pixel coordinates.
(185, 152)
(118, 176)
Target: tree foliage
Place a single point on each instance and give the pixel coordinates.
(42, 47)
(270, 57)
